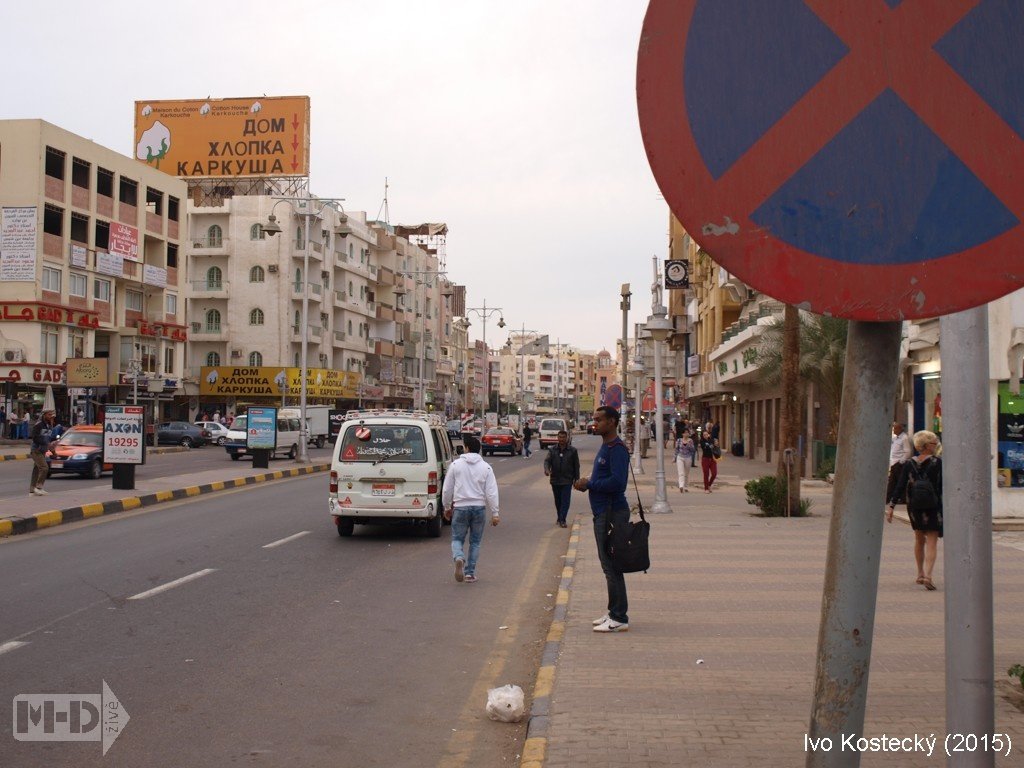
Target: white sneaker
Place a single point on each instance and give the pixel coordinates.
(602, 620)
(610, 625)
(40, 492)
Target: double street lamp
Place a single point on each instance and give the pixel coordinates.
(660, 328)
(484, 313)
(304, 206)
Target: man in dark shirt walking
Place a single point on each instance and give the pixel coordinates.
(607, 488)
(40, 443)
(562, 465)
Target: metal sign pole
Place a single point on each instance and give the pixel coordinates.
(855, 542)
(967, 496)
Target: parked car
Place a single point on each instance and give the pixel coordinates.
(501, 439)
(590, 426)
(182, 433)
(218, 432)
(79, 451)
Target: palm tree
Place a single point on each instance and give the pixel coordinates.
(822, 358)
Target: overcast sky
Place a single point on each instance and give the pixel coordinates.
(515, 123)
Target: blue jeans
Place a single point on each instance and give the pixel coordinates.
(618, 604)
(526, 448)
(563, 497)
(468, 520)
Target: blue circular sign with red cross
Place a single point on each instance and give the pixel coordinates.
(859, 158)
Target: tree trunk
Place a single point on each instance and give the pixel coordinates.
(788, 472)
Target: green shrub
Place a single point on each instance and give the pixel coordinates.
(826, 468)
(769, 496)
(1017, 670)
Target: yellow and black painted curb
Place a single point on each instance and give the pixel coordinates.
(17, 525)
(535, 748)
(13, 456)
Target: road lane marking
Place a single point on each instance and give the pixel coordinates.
(172, 584)
(10, 646)
(285, 540)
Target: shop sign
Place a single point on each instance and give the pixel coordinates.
(87, 371)
(40, 374)
(124, 241)
(18, 232)
(274, 381)
(173, 332)
(122, 434)
(37, 312)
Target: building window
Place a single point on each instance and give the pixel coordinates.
(76, 343)
(51, 279)
(256, 232)
(212, 321)
(104, 182)
(255, 359)
(256, 317)
(256, 275)
(349, 327)
(155, 201)
(215, 236)
(351, 251)
(298, 280)
(169, 360)
(80, 173)
(172, 208)
(79, 227)
(172, 304)
(133, 300)
(298, 321)
(53, 220)
(78, 285)
(212, 359)
(299, 239)
(172, 256)
(101, 290)
(48, 345)
(55, 162)
(214, 279)
(129, 191)
(102, 235)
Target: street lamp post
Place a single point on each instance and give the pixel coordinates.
(660, 328)
(624, 306)
(637, 369)
(483, 313)
(272, 228)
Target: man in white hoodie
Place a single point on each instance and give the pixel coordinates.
(469, 491)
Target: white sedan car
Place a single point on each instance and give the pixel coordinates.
(218, 430)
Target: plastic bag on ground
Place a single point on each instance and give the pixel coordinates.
(506, 704)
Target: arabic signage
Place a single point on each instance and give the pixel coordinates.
(18, 244)
(109, 264)
(123, 427)
(87, 371)
(79, 256)
(124, 241)
(167, 331)
(261, 428)
(225, 138)
(34, 311)
(40, 374)
(274, 381)
(154, 275)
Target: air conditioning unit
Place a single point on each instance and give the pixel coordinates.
(236, 353)
(13, 356)
(272, 269)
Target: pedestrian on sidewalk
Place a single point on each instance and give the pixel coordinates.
(707, 458)
(527, 437)
(899, 452)
(607, 489)
(645, 437)
(920, 484)
(25, 426)
(469, 491)
(562, 466)
(12, 424)
(685, 449)
(40, 443)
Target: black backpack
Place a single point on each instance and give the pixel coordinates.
(921, 493)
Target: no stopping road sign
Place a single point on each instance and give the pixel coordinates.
(861, 158)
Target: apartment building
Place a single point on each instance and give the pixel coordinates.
(91, 271)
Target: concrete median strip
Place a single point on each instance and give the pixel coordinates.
(535, 748)
(17, 525)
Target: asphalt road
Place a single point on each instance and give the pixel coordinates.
(289, 645)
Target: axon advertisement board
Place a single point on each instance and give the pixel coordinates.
(224, 138)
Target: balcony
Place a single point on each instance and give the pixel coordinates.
(340, 298)
(211, 246)
(210, 289)
(209, 332)
(315, 291)
(316, 251)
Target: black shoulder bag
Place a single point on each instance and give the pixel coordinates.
(627, 545)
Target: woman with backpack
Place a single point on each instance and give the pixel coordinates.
(920, 485)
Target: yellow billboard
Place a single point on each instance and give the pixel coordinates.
(224, 138)
(271, 381)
